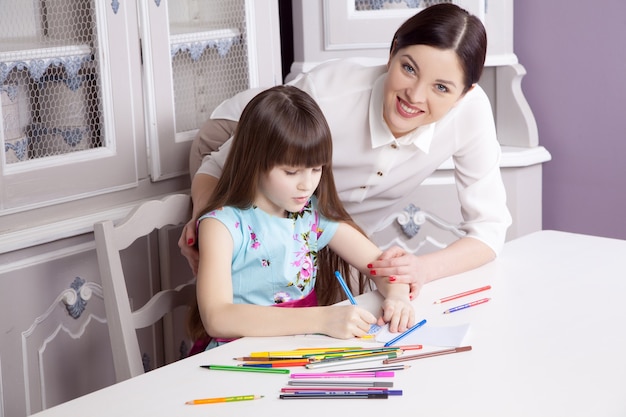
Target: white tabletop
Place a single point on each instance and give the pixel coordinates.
(551, 342)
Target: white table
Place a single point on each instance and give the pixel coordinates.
(551, 342)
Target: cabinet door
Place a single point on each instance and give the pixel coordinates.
(67, 109)
(196, 54)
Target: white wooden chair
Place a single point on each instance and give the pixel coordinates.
(123, 322)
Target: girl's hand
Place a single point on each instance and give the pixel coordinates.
(401, 267)
(345, 322)
(399, 313)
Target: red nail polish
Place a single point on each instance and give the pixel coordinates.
(369, 266)
(392, 279)
(372, 272)
(190, 242)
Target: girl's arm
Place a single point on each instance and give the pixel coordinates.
(355, 248)
(224, 319)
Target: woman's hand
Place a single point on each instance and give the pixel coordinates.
(401, 267)
(187, 245)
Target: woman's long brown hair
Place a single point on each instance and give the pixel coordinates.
(283, 125)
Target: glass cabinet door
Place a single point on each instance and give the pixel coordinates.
(61, 117)
(196, 54)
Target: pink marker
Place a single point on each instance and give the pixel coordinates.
(379, 374)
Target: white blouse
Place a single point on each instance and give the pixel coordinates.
(373, 170)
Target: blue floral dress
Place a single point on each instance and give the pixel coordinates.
(274, 259)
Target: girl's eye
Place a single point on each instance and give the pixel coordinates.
(290, 172)
(318, 169)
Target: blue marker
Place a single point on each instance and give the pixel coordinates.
(345, 288)
(401, 335)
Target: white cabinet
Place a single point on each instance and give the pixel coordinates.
(104, 97)
(67, 103)
(332, 29)
(215, 48)
(100, 100)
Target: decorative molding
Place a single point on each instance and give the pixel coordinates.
(410, 220)
(196, 43)
(38, 66)
(93, 289)
(75, 298)
(20, 147)
(196, 49)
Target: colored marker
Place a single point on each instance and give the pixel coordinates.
(468, 305)
(224, 399)
(246, 369)
(338, 383)
(380, 374)
(406, 333)
(376, 395)
(463, 294)
(316, 390)
(343, 284)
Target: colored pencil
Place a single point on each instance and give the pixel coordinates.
(468, 305)
(428, 354)
(343, 361)
(343, 284)
(373, 369)
(246, 369)
(298, 353)
(406, 333)
(337, 395)
(462, 294)
(224, 399)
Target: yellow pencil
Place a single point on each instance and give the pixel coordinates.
(297, 353)
(224, 399)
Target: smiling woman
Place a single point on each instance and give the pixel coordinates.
(392, 126)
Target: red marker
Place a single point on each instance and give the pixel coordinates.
(464, 306)
(463, 294)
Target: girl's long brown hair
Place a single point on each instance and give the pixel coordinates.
(283, 125)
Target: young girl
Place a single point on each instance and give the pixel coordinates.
(275, 232)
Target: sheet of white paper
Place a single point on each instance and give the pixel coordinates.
(448, 336)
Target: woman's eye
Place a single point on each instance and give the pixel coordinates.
(290, 172)
(441, 88)
(408, 68)
(319, 169)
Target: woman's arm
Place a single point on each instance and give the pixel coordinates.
(401, 267)
(356, 249)
(212, 135)
(224, 319)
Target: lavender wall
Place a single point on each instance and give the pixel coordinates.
(575, 55)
